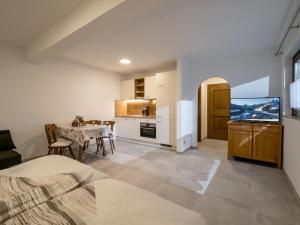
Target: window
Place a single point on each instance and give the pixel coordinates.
(295, 92)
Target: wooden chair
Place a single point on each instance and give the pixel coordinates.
(57, 145)
(110, 136)
(91, 122)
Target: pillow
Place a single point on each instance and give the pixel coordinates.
(6, 142)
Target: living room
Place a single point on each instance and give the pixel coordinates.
(137, 104)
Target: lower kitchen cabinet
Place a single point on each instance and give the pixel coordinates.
(162, 132)
(120, 127)
(165, 132)
(127, 127)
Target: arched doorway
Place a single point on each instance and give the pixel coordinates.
(213, 109)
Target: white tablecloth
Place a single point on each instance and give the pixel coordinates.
(83, 133)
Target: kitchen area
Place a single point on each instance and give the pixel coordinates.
(146, 111)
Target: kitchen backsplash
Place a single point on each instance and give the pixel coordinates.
(134, 107)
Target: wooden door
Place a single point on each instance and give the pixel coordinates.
(199, 114)
(218, 107)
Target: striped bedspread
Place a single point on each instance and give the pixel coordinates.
(58, 199)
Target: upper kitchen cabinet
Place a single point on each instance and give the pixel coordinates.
(139, 88)
(150, 87)
(127, 89)
(165, 95)
(165, 103)
(165, 79)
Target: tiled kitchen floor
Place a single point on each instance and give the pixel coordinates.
(239, 194)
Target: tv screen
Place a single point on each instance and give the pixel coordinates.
(255, 109)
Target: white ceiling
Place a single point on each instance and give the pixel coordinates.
(153, 33)
(184, 27)
(22, 20)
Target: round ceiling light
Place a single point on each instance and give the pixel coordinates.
(125, 61)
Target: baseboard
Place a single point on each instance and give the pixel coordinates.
(150, 144)
(292, 185)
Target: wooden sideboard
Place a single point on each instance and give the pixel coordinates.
(257, 141)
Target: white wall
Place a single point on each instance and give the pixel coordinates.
(257, 88)
(213, 80)
(32, 95)
(238, 70)
(291, 154)
(184, 108)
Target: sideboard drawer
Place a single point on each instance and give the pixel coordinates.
(243, 127)
(268, 129)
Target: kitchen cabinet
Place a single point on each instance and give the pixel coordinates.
(120, 127)
(135, 132)
(127, 127)
(139, 88)
(165, 132)
(165, 79)
(165, 108)
(162, 88)
(162, 132)
(150, 87)
(165, 103)
(127, 89)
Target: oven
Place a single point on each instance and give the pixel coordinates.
(148, 130)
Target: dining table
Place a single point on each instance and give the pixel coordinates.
(82, 134)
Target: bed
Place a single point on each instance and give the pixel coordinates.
(60, 190)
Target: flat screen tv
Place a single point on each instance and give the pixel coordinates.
(255, 109)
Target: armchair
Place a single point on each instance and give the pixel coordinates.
(8, 157)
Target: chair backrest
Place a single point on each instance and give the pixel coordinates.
(97, 122)
(51, 132)
(109, 123)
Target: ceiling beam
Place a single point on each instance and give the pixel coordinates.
(69, 31)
